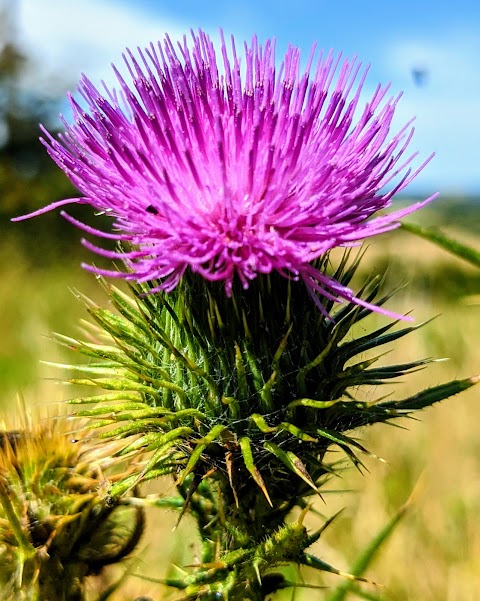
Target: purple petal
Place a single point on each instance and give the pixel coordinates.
(232, 168)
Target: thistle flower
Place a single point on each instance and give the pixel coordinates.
(235, 178)
(234, 170)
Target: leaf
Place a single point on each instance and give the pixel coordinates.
(111, 410)
(111, 396)
(266, 392)
(432, 395)
(293, 463)
(261, 424)
(374, 339)
(342, 440)
(241, 375)
(156, 461)
(113, 384)
(202, 444)
(247, 455)
(123, 431)
(449, 244)
(296, 431)
(368, 555)
(125, 484)
(318, 564)
(311, 403)
(143, 442)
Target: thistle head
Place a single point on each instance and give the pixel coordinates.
(252, 389)
(244, 401)
(56, 527)
(221, 165)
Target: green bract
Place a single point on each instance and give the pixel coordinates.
(240, 399)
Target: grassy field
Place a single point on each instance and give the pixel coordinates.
(434, 554)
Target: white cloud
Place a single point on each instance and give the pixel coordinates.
(65, 38)
(68, 37)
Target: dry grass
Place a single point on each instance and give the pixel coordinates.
(435, 552)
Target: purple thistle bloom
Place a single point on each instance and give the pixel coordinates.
(233, 171)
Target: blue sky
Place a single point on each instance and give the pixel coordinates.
(67, 37)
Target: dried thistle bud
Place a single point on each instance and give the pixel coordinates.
(56, 527)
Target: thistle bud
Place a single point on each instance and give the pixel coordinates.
(56, 527)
